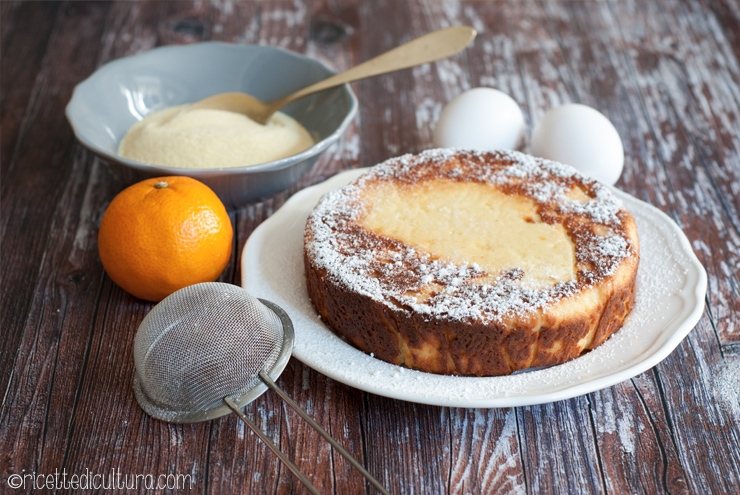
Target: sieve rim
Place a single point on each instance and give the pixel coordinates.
(221, 409)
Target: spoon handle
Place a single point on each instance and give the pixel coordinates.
(436, 45)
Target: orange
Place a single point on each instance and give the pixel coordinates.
(163, 234)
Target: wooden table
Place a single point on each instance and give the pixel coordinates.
(666, 72)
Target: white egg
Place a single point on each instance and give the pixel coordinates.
(580, 136)
(482, 119)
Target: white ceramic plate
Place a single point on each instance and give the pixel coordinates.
(671, 285)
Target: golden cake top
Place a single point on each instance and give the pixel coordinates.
(468, 235)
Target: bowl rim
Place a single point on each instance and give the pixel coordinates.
(274, 165)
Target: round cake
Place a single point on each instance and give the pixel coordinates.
(468, 263)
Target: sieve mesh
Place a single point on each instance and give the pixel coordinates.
(203, 343)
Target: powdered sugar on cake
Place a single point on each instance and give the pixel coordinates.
(392, 273)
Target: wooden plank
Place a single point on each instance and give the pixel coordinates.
(683, 91)
(486, 457)
(284, 24)
(26, 31)
(334, 39)
(559, 449)
(392, 128)
(519, 53)
(636, 449)
(54, 265)
(594, 76)
(25, 34)
(673, 179)
(727, 15)
(684, 110)
(703, 422)
(94, 332)
(386, 126)
(482, 453)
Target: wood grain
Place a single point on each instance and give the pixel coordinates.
(667, 73)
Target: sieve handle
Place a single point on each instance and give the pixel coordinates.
(270, 383)
(309, 486)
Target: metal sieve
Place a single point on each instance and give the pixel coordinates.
(210, 349)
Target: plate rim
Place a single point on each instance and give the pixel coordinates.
(679, 327)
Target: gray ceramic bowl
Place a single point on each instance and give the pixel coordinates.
(105, 105)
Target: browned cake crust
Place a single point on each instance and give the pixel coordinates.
(414, 309)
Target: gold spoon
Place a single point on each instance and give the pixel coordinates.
(428, 48)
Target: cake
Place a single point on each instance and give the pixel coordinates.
(472, 263)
